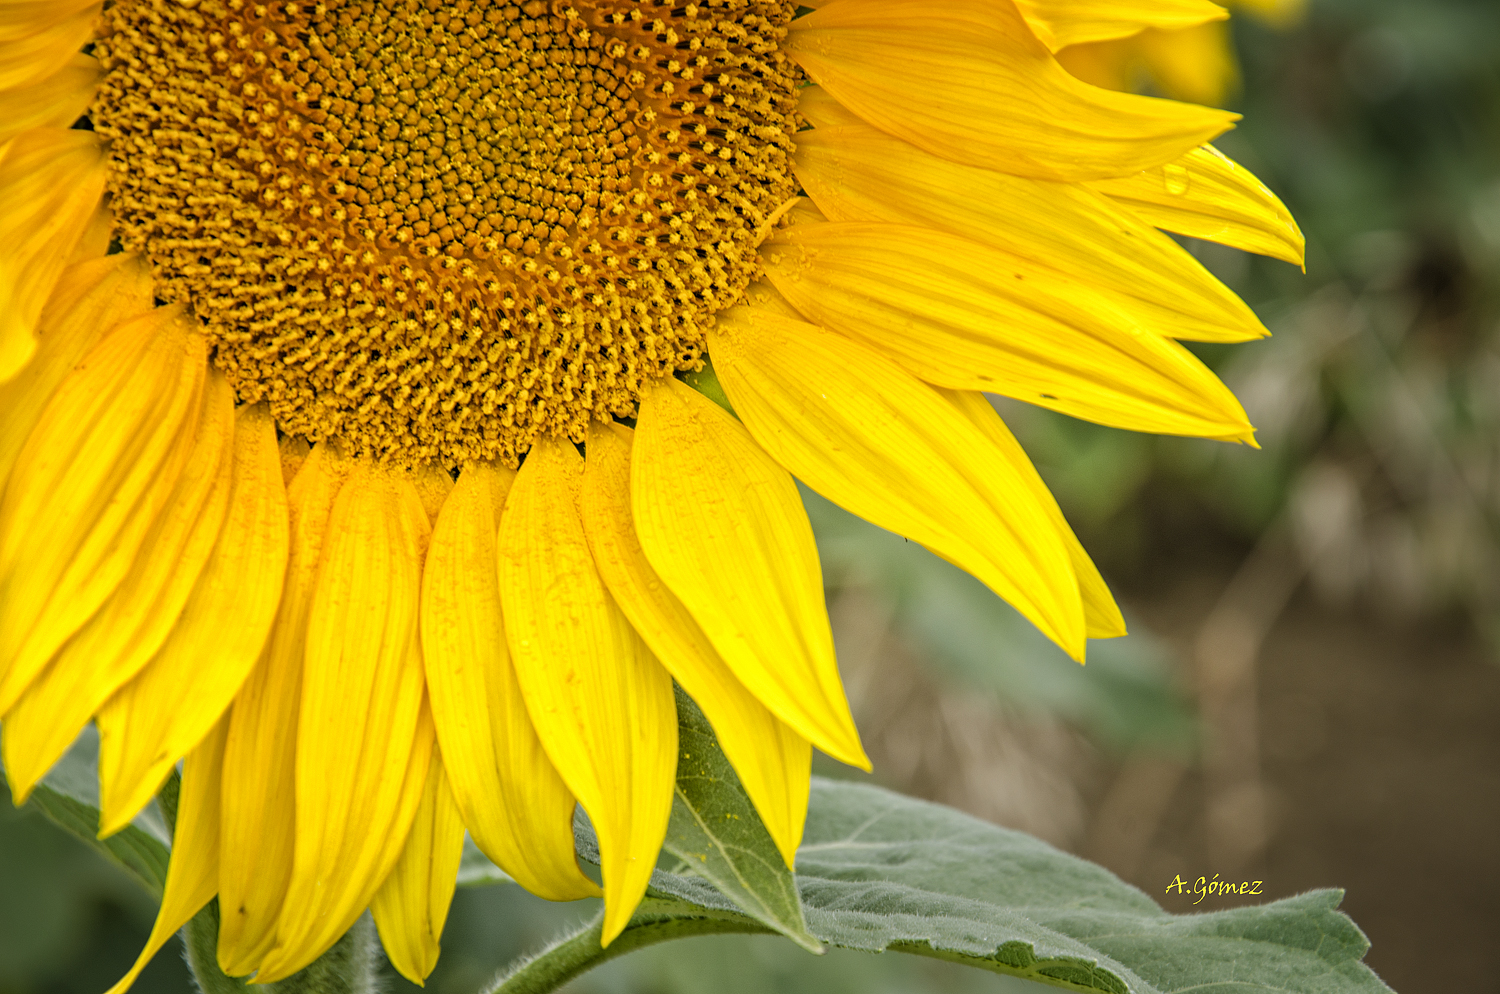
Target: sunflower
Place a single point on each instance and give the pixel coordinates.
(1181, 48)
(346, 433)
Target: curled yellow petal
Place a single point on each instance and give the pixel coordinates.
(966, 316)
(364, 733)
(89, 483)
(260, 756)
(602, 706)
(868, 435)
(51, 181)
(193, 874)
(517, 808)
(704, 495)
(158, 716)
(772, 760)
(91, 299)
(120, 639)
(967, 80)
(412, 905)
(854, 172)
(1107, 64)
(1060, 23)
(1207, 195)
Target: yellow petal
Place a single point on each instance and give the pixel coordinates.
(1060, 23)
(118, 641)
(1110, 64)
(91, 299)
(89, 483)
(515, 805)
(966, 316)
(294, 452)
(868, 435)
(38, 39)
(1207, 195)
(773, 761)
(51, 181)
(1196, 64)
(705, 495)
(157, 717)
(54, 102)
(24, 18)
(433, 486)
(364, 734)
(1101, 612)
(967, 80)
(857, 173)
(95, 240)
(412, 905)
(602, 706)
(260, 756)
(192, 875)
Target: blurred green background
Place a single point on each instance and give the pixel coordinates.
(1310, 694)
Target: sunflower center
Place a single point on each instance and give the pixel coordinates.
(438, 228)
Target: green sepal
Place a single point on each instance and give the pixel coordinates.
(706, 382)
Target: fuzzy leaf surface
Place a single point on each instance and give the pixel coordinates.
(881, 872)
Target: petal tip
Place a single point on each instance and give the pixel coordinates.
(616, 917)
(854, 757)
(110, 824)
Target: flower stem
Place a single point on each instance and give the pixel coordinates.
(200, 940)
(656, 921)
(352, 966)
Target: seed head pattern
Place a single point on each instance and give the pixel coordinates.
(434, 229)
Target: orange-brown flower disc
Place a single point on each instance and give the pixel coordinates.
(438, 228)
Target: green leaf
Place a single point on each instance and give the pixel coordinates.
(882, 872)
(716, 833)
(476, 870)
(69, 796)
(725, 859)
